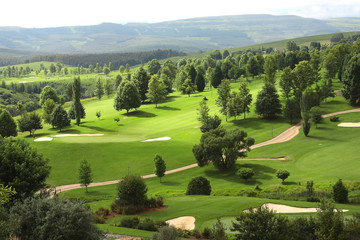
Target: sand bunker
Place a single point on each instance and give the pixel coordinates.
(79, 135)
(184, 223)
(157, 139)
(279, 208)
(43, 139)
(349, 124)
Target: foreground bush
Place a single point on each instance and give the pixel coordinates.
(199, 186)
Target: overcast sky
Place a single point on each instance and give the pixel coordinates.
(45, 13)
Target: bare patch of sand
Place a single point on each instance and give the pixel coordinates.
(43, 139)
(157, 139)
(184, 223)
(349, 124)
(79, 135)
(279, 208)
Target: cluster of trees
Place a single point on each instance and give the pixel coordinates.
(15, 71)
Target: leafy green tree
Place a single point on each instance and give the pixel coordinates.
(99, 89)
(22, 167)
(252, 67)
(60, 118)
(291, 46)
(141, 79)
(200, 82)
(71, 111)
(291, 110)
(270, 69)
(108, 87)
(245, 173)
(48, 107)
(260, 63)
(48, 92)
(291, 59)
(7, 124)
(154, 66)
(203, 112)
(234, 105)
(351, 80)
(219, 231)
(330, 64)
(78, 108)
(340, 193)
(85, 175)
(246, 98)
(118, 80)
(261, 223)
(132, 191)
(121, 69)
(157, 90)
(127, 96)
(223, 96)
(188, 87)
(316, 115)
(30, 122)
(192, 73)
(282, 174)
(286, 82)
(199, 186)
(222, 147)
(216, 77)
(211, 122)
(304, 77)
(43, 219)
(160, 166)
(267, 103)
(226, 66)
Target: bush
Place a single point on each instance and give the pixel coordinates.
(147, 225)
(129, 222)
(165, 233)
(159, 201)
(132, 191)
(102, 212)
(340, 192)
(206, 233)
(129, 210)
(313, 199)
(334, 119)
(151, 203)
(199, 186)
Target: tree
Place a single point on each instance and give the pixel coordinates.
(292, 110)
(261, 223)
(199, 186)
(270, 69)
(77, 106)
(43, 219)
(223, 96)
(304, 77)
(233, 106)
(340, 193)
(98, 114)
(154, 66)
(286, 82)
(216, 77)
(252, 67)
(246, 98)
(60, 118)
(30, 122)
(212, 122)
(188, 87)
(192, 73)
(331, 66)
(85, 175)
(291, 46)
(141, 79)
(132, 191)
(46, 93)
(305, 107)
(22, 167)
(351, 80)
(200, 82)
(219, 231)
(157, 90)
(203, 112)
(160, 166)
(316, 115)
(267, 103)
(108, 87)
(99, 89)
(166, 233)
(7, 124)
(48, 107)
(127, 96)
(245, 173)
(71, 111)
(282, 174)
(222, 147)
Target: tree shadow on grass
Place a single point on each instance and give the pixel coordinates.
(228, 175)
(99, 129)
(322, 138)
(261, 171)
(168, 108)
(140, 114)
(170, 99)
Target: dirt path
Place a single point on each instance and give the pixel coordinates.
(285, 136)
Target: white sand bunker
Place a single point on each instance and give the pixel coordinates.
(43, 139)
(157, 139)
(79, 135)
(184, 223)
(279, 208)
(349, 124)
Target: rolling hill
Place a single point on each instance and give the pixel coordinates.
(184, 35)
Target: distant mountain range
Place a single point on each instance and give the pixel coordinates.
(183, 35)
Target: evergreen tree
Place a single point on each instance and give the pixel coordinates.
(108, 87)
(270, 69)
(60, 118)
(99, 89)
(141, 79)
(78, 108)
(351, 80)
(223, 96)
(200, 82)
(216, 77)
(252, 67)
(85, 175)
(340, 193)
(192, 73)
(286, 82)
(7, 124)
(160, 166)
(305, 107)
(246, 98)
(267, 103)
(234, 105)
(157, 90)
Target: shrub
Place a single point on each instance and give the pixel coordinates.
(129, 222)
(159, 201)
(340, 192)
(313, 199)
(151, 203)
(147, 225)
(102, 212)
(245, 173)
(132, 190)
(165, 233)
(282, 174)
(199, 186)
(334, 119)
(129, 210)
(206, 233)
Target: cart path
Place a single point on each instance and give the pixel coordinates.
(285, 136)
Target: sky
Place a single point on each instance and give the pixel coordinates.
(45, 13)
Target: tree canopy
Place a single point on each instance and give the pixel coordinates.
(7, 124)
(127, 96)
